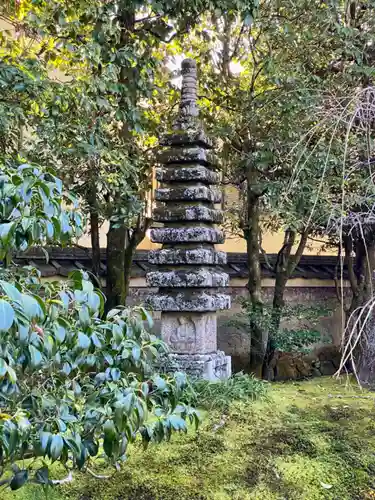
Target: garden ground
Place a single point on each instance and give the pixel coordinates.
(309, 440)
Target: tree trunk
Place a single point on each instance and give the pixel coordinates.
(365, 330)
(95, 242)
(116, 236)
(115, 288)
(358, 343)
(278, 302)
(284, 267)
(131, 242)
(128, 261)
(259, 334)
(94, 228)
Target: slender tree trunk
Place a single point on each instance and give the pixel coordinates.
(278, 302)
(95, 242)
(361, 281)
(115, 265)
(116, 236)
(285, 265)
(131, 242)
(94, 228)
(281, 278)
(259, 334)
(128, 261)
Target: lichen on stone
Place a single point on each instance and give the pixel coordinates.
(193, 193)
(191, 213)
(196, 256)
(189, 173)
(192, 278)
(186, 235)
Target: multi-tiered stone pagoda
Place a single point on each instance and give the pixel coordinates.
(189, 274)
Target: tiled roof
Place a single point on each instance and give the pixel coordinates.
(62, 261)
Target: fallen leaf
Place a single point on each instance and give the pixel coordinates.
(326, 486)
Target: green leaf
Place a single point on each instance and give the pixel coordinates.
(95, 340)
(84, 316)
(3, 368)
(146, 316)
(117, 332)
(36, 356)
(6, 230)
(160, 383)
(128, 403)
(31, 307)
(19, 479)
(83, 340)
(11, 291)
(115, 374)
(177, 423)
(64, 299)
(112, 313)
(23, 332)
(7, 315)
(12, 375)
(93, 301)
(60, 334)
(91, 446)
(136, 353)
(119, 413)
(56, 447)
(42, 476)
(108, 445)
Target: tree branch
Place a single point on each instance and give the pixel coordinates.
(348, 246)
(294, 259)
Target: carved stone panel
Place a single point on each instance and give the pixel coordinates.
(189, 333)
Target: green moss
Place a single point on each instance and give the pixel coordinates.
(302, 442)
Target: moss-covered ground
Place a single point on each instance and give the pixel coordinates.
(308, 440)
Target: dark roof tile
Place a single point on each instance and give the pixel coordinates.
(62, 261)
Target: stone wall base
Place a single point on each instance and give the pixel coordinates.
(213, 367)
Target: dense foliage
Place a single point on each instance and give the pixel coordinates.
(73, 386)
(84, 77)
(31, 210)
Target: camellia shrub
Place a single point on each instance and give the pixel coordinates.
(74, 386)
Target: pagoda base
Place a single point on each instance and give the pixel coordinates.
(213, 367)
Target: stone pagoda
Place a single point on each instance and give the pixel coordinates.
(189, 273)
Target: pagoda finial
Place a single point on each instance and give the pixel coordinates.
(188, 111)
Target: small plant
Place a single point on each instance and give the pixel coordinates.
(296, 340)
(219, 395)
(285, 340)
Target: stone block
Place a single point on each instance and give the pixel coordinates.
(189, 333)
(183, 278)
(198, 213)
(176, 173)
(187, 235)
(193, 135)
(176, 256)
(191, 193)
(213, 367)
(187, 155)
(188, 300)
